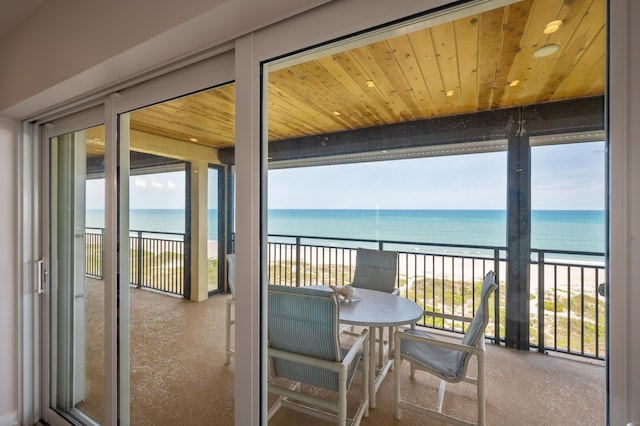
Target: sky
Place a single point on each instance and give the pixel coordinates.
(564, 177)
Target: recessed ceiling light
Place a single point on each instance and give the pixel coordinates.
(449, 93)
(547, 50)
(193, 139)
(336, 113)
(371, 83)
(514, 83)
(552, 27)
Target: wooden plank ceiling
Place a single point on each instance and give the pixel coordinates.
(476, 63)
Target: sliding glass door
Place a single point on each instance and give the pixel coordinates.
(76, 355)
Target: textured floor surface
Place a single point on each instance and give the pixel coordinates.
(178, 375)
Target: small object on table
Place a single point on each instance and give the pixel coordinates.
(347, 292)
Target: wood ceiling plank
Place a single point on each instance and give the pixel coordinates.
(302, 114)
(384, 96)
(313, 100)
(348, 85)
(581, 31)
(490, 36)
(588, 76)
(331, 89)
(522, 69)
(417, 94)
(207, 116)
(545, 73)
(422, 45)
(513, 30)
(284, 121)
(444, 46)
(466, 34)
(398, 91)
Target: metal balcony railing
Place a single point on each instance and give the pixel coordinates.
(567, 313)
(156, 260)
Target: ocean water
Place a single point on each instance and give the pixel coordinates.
(574, 230)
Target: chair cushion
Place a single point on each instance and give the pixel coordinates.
(443, 362)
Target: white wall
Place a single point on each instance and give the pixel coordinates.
(68, 48)
(8, 284)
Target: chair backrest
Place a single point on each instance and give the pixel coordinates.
(475, 332)
(376, 270)
(304, 321)
(231, 273)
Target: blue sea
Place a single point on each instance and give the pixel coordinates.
(574, 230)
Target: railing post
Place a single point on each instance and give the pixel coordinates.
(496, 297)
(540, 301)
(101, 252)
(297, 261)
(139, 259)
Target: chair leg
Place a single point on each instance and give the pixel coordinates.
(227, 355)
(397, 364)
(481, 390)
(441, 390)
(380, 331)
(342, 397)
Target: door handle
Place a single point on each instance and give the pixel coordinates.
(41, 276)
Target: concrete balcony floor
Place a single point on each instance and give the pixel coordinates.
(178, 375)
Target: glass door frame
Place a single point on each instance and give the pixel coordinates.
(214, 70)
(82, 120)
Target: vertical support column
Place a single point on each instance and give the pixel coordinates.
(198, 198)
(518, 242)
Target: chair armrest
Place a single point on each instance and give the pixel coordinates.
(399, 336)
(360, 343)
(304, 359)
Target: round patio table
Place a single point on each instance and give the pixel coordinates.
(377, 309)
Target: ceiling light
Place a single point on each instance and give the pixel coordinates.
(552, 27)
(193, 139)
(336, 113)
(547, 50)
(449, 93)
(514, 83)
(371, 83)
